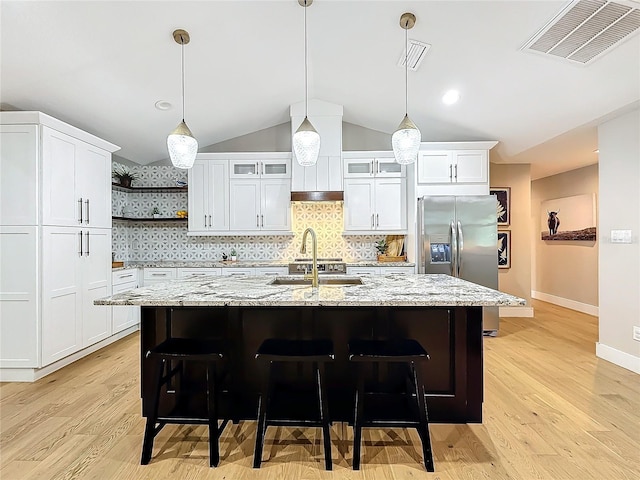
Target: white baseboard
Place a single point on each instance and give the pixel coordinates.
(33, 374)
(566, 302)
(618, 357)
(516, 312)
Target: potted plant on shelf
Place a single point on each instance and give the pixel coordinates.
(234, 255)
(124, 176)
(382, 246)
(155, 212)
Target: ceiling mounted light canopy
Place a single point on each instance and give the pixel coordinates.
(306, 140)
(406, 139)
(181, 143)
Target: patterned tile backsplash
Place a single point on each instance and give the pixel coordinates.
(169, 241)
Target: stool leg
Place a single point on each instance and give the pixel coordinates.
(263, 406)
(357, 423)
(423, 428)
(150, 428)
(212, 407)
(324, 415)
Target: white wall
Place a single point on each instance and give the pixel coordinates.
(619, 264)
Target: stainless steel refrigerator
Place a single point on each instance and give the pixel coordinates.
(458, 236)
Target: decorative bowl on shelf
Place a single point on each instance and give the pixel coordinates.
(181, 214)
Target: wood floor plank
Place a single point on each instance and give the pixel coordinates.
(552, 411)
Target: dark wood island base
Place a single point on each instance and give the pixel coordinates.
(452, 336)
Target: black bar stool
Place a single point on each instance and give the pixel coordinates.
(411, 353)
(273, 351)
(210, 352)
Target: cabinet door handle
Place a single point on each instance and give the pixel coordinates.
(372, 167)
(262, 220)
(158, 274)
(125, 276)
(209, 220)
(372, 221)
(87, 204)
(80, 238)
(257, 220)
(80, 207)
(456, 172)
(205, 221)
(257, 168)
(87, 252)
(450, 172)
(377, 219)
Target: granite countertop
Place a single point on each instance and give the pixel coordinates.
(380, 290)
(247, 264)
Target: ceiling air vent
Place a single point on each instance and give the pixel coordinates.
(585, 30)
(417, 51)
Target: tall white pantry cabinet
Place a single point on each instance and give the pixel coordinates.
(55, 242)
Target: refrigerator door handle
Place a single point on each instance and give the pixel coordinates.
(454, 250)
(460, 248)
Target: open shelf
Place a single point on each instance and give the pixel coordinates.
(168, 219)
(120, 188)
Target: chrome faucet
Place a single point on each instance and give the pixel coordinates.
(303, 249)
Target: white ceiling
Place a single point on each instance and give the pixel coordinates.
(102, 66)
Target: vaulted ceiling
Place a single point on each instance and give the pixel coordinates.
(102, 66)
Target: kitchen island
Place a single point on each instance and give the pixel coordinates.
(443, 313)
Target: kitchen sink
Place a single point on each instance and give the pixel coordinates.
(321, 281)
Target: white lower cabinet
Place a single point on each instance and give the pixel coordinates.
(238, 272)
(76, 269)
(198, 272)
(378, 270)
(272, 270)
(155, 275)
(123, 317)
(19, 297)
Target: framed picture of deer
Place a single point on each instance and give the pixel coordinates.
(569, 218)
(504, 249)
(503, 204)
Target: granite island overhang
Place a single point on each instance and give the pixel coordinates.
(443, 313)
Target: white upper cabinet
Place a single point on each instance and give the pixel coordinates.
(372, 166)
(260, 168)
(462, 166)
(19, 155)
(453, 168)
(209, 196)
(76, 181)
(240, 194)
(375, 193)
(260, 205)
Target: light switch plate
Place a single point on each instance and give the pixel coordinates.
(620, 236)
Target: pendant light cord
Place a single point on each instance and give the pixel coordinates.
(406, 68)
(182, 49)
(306, 93)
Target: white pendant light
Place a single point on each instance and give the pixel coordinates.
(181, 143)
(406, 139)
(306, 140)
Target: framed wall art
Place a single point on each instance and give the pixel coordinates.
(503, 204)
(504, 249)
(569, 218)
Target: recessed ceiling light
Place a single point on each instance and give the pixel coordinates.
(163, 105)
(451, 97)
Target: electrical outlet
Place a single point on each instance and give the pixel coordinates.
(636, 333)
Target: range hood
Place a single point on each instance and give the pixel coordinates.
(315, 196)
(323, 181)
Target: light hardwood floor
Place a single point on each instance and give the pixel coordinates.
(552, 411)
